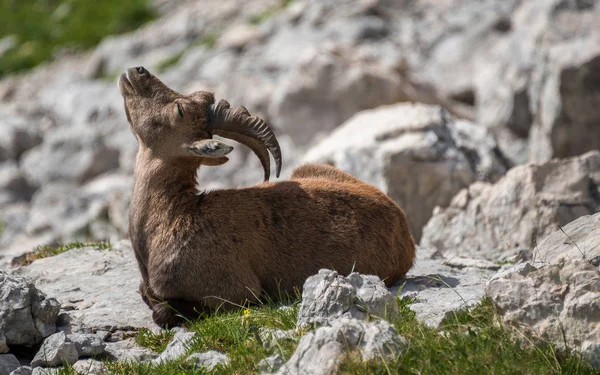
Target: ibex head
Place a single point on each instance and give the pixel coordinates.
(175, 126)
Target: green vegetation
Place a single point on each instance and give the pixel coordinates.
(46, 251)
(472, 342)
(261, 17)
(1, 228)
(169, 62)
(154, 341)
(43, 27)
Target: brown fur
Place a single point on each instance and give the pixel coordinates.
(199, 251)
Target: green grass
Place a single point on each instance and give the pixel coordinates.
(258, 18)
(46, 251)
(1, 228)
(44, 27)
(154, 341)
(169, 62)
(472, 342)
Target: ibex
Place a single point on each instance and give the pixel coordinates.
(199, 251)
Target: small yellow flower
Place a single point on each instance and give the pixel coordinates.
(246, 312)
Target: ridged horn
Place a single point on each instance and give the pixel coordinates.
(239, 125)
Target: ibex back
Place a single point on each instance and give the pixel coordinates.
(200, 251)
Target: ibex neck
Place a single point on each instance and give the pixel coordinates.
(164, 192)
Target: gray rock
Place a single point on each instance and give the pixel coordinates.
(87, 345)
(97, 288)
(208, 360)
(18, 135)
(128, 351)
(72, 155)
(417, 154)
(437, 291)
(321, 351)
(8, 363)
(56, 350)
(496, 221)
(558, 302)
(271, 363)
(26, 314)
(45, 371)
(327, 88)
(13, 185)
(274, 336)
(177, 347)
(3, 346)
(327, 296)
(89, 367)
(23, 370)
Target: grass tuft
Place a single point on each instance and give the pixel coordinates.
(154, 341)
(42, 28)
(47, 251)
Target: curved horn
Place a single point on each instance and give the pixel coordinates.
(239, 125)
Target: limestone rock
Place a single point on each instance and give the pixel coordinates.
(208, 360)
(128, 351)
(321, 351)
(438, 290)
(89, 367)
(327, 296)
(503, 220)
(87, 345)
(56, 350)
(45, 371)
(417, 154)
(97, 288)
(8, 363)
(178, 346)
(26, 314)
(23, 370)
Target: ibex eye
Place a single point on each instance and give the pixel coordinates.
(179, 110)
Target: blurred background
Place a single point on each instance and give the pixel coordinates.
(419, 97)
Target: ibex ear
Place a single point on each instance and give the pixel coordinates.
(214, 161)
(210, 148)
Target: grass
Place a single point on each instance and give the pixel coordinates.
(169, 62)
(47, 251)
(473, 342)
(258, 18)
(154, 341)
(1, 228)
(43, 27)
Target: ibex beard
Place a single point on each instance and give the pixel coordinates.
(203, 251)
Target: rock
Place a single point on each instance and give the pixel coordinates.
(18, 135)
(417, 154)
(504, 220)
(23, 370)
(327, 296)
(89, 367)
(56, 350)
(13, 185)
(87, 345)
(327, 88)
(437, 291)
(558, 302)
(580, 239)
(26, 314)
(271, 363)
(177, 347)
(128, 351)
(466, 262)
(45, 371)
(321, 351)
(238, 36)
(3, 346)
(208, 360)
(8, 363)
(274, 336)
(97, 288)
(72, 155)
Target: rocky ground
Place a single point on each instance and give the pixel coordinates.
(479, 118)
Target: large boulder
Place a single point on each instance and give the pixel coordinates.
(417, 154)
(507, 219)
(320, 352)
(27, 316)
(98, 289)
(557, 297)
(327, 296)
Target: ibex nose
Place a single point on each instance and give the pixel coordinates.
(141, 70)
